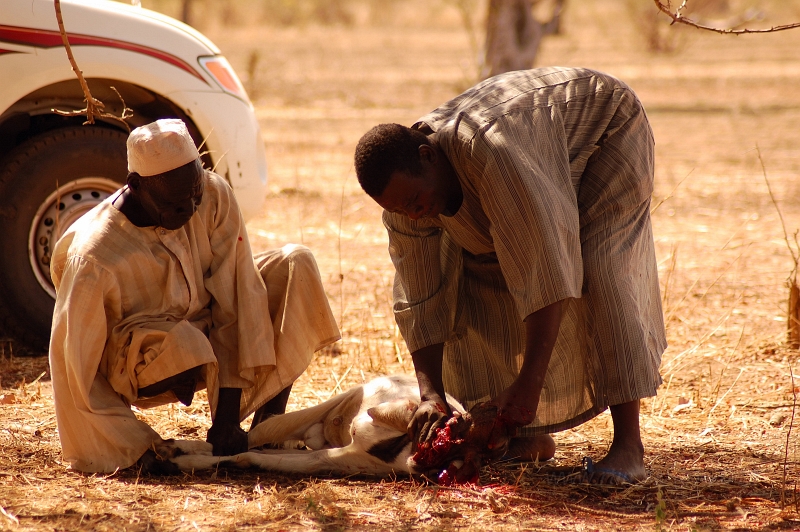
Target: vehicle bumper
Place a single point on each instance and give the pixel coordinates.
(241, 160)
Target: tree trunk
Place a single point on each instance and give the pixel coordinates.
(513, 35)
(186, 12)
(793, 324)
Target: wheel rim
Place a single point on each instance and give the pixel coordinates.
(56, 214)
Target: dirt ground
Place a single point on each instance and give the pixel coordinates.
(721, 436)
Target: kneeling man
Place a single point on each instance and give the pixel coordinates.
(158, 296)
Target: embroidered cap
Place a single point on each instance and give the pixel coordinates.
(159, 147)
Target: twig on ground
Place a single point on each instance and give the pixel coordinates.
(705, 292)
(672, 364)
(741, 371)
(788, 439)
(673, 260)
(793, 312)
(744, 224)
(339, 380)
(722, 374)
(795, 253)
(709, 287)
(11, 517)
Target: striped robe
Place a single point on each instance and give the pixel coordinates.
(556, 167)
(136, 305)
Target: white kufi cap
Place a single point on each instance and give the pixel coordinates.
(159, 147)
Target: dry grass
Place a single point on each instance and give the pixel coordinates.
(720, 436)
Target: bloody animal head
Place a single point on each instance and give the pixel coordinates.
(475, 437)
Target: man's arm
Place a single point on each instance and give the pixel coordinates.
(421, 296)
(226, 435)
(519, 402)
(97, 429)
(241, 334)
(433, 411)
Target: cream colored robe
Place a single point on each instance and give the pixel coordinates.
(135, 305)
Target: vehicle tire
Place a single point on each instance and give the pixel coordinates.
(46, 184)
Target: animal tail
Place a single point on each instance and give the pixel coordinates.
(293, 426)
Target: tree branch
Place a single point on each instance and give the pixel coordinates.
(679, 18)
(94, 107)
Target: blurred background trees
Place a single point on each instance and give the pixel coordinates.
(514, 33)
(503, 35)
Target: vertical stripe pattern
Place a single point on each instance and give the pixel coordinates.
(556, 166)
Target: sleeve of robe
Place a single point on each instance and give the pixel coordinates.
(241, 332)
(527, 194)
(98, 430)
(425, 276)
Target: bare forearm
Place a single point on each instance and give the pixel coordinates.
(228, 406)
(541, 333)
(433, 411)
(226, 435)
(518, 403)
(428, 367)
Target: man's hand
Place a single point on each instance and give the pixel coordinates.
(516, 408)
(516, 405)
(429, 416)
(433, 412)
(227, 439)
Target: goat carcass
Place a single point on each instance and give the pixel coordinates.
(361, 431)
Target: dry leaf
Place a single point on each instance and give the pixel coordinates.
(8, 399)
(682, 405)
(777, 419)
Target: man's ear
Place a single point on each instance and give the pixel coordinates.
(134, 181)
(427, 153)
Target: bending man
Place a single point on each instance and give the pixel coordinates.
(158, 295)
(519, 228)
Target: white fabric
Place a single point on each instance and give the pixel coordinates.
(159, 147)
(135, 305)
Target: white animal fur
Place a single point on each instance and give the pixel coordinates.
(342, 431)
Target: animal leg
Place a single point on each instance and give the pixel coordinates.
(342, 461)
(293, 426)
(395, 414)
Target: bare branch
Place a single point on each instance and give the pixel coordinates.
(94, 107)
(795, 253)
(679, 18)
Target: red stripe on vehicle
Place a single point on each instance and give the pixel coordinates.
(51, 39)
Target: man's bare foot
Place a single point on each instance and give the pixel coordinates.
(620, 466)
(624, 462)
(531, 448)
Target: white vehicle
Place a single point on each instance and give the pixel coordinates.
(53, 169)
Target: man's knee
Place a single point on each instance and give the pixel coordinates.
(280, 267)
(279, 259)
(300, 260)
(297, 253)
